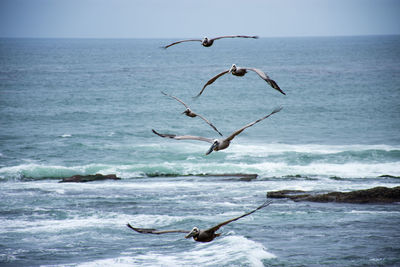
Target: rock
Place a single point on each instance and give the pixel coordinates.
(373, 195)
(236, 176)
(241, 176)
(89, 178)
(292, 194)
(388, 176)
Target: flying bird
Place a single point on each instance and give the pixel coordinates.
(197, 234)
(188, 112)
(206, 42)
(237, 71)
(217, 144)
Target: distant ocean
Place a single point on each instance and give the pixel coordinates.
(87, 106)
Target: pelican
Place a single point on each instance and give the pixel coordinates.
(188, 112)
(217, 144)
(197, 234)
(207, 42)
(237, 71)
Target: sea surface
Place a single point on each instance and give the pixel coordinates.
(87, 106)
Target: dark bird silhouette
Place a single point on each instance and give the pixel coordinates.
(206, 42)
(217, 144)
(237, 71)
(197, 234)
(188, 112)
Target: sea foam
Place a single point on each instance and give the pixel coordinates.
(231, 251)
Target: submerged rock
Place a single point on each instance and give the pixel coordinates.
(373, 195)
(240, 176)
(89, 178)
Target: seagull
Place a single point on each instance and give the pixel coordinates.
(188, 112)
(197, 234)
(206, 42)
(217, 144)
(237, 71)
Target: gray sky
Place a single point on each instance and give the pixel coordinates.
(196, 18)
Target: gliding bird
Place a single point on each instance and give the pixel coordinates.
(206, 42)
(197, 234)
(217, 144)
(237, 71)
(188, 112)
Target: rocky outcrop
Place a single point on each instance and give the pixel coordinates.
(373, 195)
(240, 176)
(89, 178)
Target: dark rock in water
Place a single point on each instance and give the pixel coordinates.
(373, 195)
(389, 176)
(292, 194)
(240, 176)
(89, 178)
(237, 176)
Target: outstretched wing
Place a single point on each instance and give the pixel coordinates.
(215, 228)
(184, 137)
(177, 99)
(182, 41)
(251, 124)
(265, 77)
(155, 231)
(234, 36)
(209, 123)
(212, 80)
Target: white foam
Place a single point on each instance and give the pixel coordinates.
(347, 170)
(77, 222)
(228, 250)
(239, 158)
(263, 149)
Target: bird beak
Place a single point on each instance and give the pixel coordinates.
(191, 234)
(211, 148)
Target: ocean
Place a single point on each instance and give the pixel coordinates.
(87, 106)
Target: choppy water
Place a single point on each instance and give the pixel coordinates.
(71, 106)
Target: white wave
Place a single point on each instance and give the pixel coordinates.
(262, 150)
(225, 251)
(347, 170)
(373, 212)
(263, 169)
(33, 170)
(66, 135)
(73, 223)
(248, 147)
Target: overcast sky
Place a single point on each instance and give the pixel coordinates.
(196, 18)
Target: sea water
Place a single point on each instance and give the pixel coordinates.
(87, 106)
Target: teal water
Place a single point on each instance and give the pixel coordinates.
(83, 106)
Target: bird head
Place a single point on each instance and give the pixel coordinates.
(195, 231)
(187, 111)
(205, 40)
(213, 146)
(233, 68)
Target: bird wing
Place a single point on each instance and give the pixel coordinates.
(184, 137)
(182, 41)
(177, 99)
(234, 36)
(215, 228)
(155, 231)
(265, 77)
(212, 80)
(251, 124)
(209, 123)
